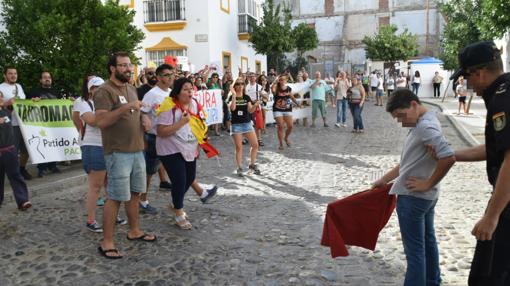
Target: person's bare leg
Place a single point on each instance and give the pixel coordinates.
(197, 188)
(110, 211)
(290, 126)
(279, 130)
(144, 196)
(238, 143)
(163, 176)
(252, 139)
(132, 207)
(96, 182)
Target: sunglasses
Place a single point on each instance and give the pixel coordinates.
(239, 83)
(150, 73)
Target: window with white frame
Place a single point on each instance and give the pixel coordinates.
(158, 57)
(163, 10)
(247, 14)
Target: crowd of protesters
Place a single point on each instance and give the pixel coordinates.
(125, 140)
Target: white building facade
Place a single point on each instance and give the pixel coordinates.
(208, 32)
(342, 24)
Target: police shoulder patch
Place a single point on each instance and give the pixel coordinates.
(499, 120)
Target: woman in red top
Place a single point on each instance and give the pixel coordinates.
(282, 109)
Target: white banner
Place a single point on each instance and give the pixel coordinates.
(48, 130)
(212, 103)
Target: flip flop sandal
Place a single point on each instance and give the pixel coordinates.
(105, 253)
(142, 238)
(183, 224)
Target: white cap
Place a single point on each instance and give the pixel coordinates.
(95, 81)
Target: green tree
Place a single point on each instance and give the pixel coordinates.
(390, 47)
(460, 30)
(274, 37)
(494, 20)
(68, 38)
(305, 38)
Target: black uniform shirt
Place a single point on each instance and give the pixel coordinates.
(497, 129)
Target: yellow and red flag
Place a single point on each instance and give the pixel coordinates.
(196, 122)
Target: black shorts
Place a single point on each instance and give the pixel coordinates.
(152, 161)
(374, 88)
(462, 99)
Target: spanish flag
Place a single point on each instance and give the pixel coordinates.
(197, 124)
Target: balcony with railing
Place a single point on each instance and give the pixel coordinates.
(164, 15)
(246, 25)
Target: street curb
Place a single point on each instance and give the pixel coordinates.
(464, 133)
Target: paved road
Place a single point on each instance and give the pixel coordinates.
(260, 230)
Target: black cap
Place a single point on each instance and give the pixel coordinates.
(476, 55)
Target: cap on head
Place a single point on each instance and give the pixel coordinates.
(95, 81)
(476, 55)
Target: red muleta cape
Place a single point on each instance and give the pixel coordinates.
(357, 220)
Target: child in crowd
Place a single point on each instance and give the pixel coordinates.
(416, 184)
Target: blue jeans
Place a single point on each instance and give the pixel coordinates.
(341, 111)
(356, 110)
(416, 86)
(416, 219)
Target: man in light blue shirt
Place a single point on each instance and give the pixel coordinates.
(318, 94)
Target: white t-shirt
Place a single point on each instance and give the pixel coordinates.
(92, 135)
(390, 83)
(151, 101)
(417, 79)
(251, 91)
(10, 91)
(461, 90)
(380, 86)
(403, 83)
(374, 81)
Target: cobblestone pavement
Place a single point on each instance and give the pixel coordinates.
(259, 230)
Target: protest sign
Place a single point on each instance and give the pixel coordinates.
(212, 103)
(48, 130)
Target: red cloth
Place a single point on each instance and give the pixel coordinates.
(259, 119)
(357, 220)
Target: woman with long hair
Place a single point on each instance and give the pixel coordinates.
(242, 107)
(282, 109)
(416, 82)
(177, 146)
(356, 97)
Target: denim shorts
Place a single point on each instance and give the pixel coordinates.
(282, 114)
(241, 128)
(126, 174)
(152, 161)
(379, 92)
(92, 158)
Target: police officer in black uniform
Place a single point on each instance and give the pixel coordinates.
(482, 66)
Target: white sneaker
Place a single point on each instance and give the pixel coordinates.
(337, 125)
(344, 125)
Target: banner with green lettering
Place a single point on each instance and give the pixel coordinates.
(48, 130)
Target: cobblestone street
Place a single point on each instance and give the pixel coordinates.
(258, 230)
